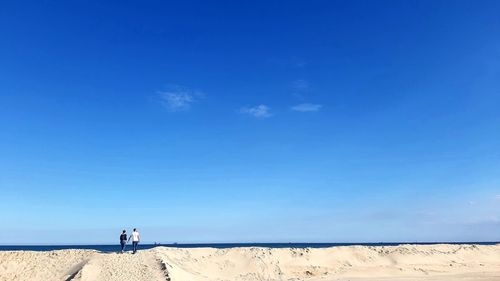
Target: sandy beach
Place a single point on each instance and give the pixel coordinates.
(362, 263)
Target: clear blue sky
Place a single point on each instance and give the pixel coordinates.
(249, 121)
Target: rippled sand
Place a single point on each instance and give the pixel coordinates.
(406, 262)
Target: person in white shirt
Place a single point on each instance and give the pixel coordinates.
(136, 238)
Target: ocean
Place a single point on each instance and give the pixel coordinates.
(116, 247)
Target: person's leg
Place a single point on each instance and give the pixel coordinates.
(135, 246)
(122, 243)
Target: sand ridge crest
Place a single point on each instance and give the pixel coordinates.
(367, 263)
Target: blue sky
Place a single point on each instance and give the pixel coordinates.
(256, 121)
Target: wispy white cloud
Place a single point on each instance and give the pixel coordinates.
(307, 107)
(298, 62)
(177, 101)
(259, 111)
(178, 98)
(300, 85)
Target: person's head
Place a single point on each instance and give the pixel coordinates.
(124, 231)
(135, 229)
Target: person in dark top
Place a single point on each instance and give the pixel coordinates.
(123, 240)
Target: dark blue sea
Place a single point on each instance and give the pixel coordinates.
(115, 248)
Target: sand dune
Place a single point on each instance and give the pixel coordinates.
(53, 265)
(362, 263)
(337, 263)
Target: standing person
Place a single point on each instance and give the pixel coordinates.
(123, 240)
(136, 238)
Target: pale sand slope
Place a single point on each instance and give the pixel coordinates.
(408, 262)
(112, 266)
(354, 263)
(53, 265)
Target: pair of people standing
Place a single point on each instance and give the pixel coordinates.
(136, 238)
